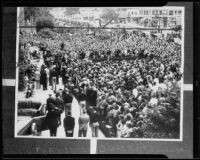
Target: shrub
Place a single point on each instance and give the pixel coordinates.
(162, 122)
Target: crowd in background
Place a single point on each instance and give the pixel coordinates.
(121, 92)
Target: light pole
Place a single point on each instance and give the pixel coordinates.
(157, 21)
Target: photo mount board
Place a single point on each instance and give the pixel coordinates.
(179, 149)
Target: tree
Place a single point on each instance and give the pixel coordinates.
(44, 23)
(34, 13)
(108, 16)
(31, 13)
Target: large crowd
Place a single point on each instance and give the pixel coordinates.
(122, 92)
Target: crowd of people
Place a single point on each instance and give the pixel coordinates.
(118, 93)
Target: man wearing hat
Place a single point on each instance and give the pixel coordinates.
(67, 98)
(52, 118)
(49, 101)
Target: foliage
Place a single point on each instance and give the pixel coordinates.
(44, 23)
(33, 14)
(162, 122)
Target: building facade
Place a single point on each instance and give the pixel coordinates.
(153, 17)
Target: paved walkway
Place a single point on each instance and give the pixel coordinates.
(41, 96)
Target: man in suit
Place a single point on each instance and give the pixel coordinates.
(91, 98)
(43, 78)
(53, 75)
(69, 123)
(59, 105)
(52, 121)
(67, 98)
(49, 101)
(94, 122)
(52, 117)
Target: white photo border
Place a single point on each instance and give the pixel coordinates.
(182, 8)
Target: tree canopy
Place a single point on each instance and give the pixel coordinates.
(35, 13)
(44, 22)
(108, 15)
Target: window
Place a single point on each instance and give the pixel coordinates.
(153, 12)
(179, 12)
(170, 13)
(164, 12)
(145, 12)
(165, 24)
(160, 12)
(149, 11)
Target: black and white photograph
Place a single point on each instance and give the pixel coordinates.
(100, 72)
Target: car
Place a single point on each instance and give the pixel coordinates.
(30, 118)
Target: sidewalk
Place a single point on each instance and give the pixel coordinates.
(41, 96)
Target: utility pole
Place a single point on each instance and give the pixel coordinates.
(157, 21)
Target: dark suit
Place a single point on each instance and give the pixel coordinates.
(69, 123)
(43, 79)
(91, 97)
(48, 102)
(60, 106)
(53, 75)
(52, 122)
(67, 98)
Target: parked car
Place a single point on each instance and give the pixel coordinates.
(36, 114)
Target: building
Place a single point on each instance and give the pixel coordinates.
(84, 16)
(150, 17)
(143, 17)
